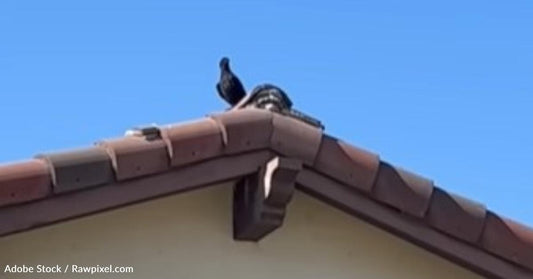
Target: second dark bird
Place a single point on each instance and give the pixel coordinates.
(229, 86)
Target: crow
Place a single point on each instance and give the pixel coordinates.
(229, 87)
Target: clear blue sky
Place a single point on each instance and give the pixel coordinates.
(442, 89)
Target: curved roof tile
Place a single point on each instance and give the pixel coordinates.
(406, 191)
(508, 239)
(136, 156)
(245, 130)
(193, 141)
(348, 164)
(457, 216)
(294, 138)
(79, 169)
(24, 181)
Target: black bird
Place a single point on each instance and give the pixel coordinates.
(229, 86)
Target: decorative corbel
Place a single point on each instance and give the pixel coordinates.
(259, 200)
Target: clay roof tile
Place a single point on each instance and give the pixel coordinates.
(457, 216)
(406, 191)
(24, 181)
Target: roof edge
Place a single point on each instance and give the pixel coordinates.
(28, 216)
(353, 202)
(236, 143)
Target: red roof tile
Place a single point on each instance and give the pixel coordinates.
(78, 169)
(348, 164)
(402, 190)
(136, 156)
(456, 215)
(192, 142)
(25, 181)
(508, 239)
(293, 138)
(245, 130)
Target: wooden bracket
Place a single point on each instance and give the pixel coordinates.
(259, 200)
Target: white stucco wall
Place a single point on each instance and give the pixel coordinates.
(189, 236)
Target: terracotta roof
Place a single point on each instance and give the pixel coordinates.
(159, 161)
